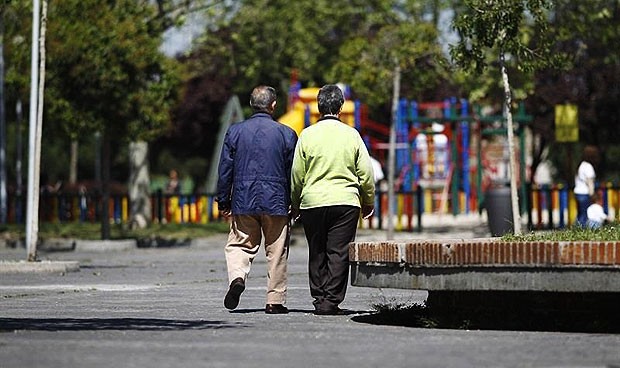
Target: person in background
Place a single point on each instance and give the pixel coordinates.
(173, 186)
(332, 179)
(377, 170)
(254, 190)
(584, 183)
(596, 213)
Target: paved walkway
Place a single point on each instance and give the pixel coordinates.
(162, 307)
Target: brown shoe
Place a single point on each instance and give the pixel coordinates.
(231, 301)
(275, 309)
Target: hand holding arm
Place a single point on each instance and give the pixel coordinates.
(367, 211)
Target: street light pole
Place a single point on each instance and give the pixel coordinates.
(32, 200)
(392, 152)
(3, 194)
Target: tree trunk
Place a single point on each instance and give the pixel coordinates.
(105, 186)
(139, 184)
(73, 162)
(516, 216)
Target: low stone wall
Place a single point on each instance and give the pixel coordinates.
(487, 265)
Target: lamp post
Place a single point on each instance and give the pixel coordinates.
(34, 139)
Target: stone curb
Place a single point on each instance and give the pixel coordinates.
(67, 244)
(105, 245)
(38, 267)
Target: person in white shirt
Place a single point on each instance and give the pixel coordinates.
(584, 183)
(596, 213)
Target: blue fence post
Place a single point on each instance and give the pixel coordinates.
(563, 205)
(465, 153)
(83, 207)
(117, 209)
(419, 206)
(549, 204)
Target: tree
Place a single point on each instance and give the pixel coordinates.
(588, 33)
(496, 25)
(366, 62)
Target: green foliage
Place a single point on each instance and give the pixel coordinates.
(514, 31)
(514, 27)
(367, 62)
(324, 41)
(105, 70)
(588, 33)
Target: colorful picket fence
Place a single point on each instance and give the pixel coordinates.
(550, 207)
(199, 209)
(555, 207)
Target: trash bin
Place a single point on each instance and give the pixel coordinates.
(499, 210)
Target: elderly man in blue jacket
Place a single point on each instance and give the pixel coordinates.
(254, 189)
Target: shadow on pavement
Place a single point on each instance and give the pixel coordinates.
(122, 324)
(509, 319)
(345, 312)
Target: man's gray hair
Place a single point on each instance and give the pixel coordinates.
(262, 98)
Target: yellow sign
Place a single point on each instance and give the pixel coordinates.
(566, 124)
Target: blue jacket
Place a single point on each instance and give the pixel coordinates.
(255, 167)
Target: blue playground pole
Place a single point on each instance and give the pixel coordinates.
(446, 108)
(357, 115)
(307, 116)
(465, 153)
(402, 136)
(414, 114)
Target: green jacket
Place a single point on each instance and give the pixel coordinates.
(331, 167)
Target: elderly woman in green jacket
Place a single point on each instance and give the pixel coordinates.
(332, 180)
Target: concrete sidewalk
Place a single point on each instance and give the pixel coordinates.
(162, 307)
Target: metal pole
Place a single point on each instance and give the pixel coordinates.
(32, 205)
(392, 153)
(18, 164)
(3, 194)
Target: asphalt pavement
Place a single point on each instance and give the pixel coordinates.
(163, 307)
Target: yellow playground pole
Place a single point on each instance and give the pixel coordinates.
(202, 210)
(124, 210)
(572, 205)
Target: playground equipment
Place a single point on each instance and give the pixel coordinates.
(448, 148)
(303, 110)
(452, 150)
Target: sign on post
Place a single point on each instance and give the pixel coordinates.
(566, 123)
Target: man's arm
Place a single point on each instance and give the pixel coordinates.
(225, 176)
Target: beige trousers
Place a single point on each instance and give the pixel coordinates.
(242, 247)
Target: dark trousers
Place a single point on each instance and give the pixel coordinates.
(583, 202)
(329, 230)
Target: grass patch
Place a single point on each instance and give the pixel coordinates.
(90, 231)
(400, 314)
(609, 232)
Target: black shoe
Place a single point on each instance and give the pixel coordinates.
(275, 309)
(231, 301)
(335, 311)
